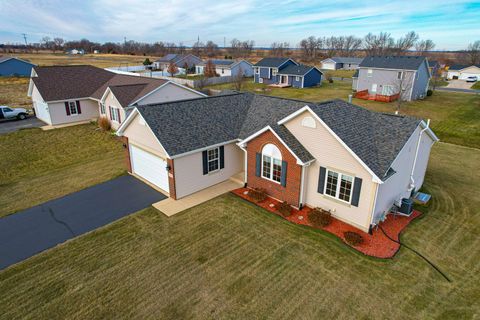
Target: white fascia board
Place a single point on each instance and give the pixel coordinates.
(129, 119)
(163, 85)
(307, 108)
(203, 149)
(256, 134)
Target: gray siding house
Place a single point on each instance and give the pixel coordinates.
(341, 63)
(180, 60)
(407, 76)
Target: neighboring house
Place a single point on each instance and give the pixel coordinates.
(76, 51)
(462, 72)
(180, 60)
(434, 67)
(69, 94)
(227, 67)
(343, 63)
(11, 66)
(385, 77)
(285, 72)
(354, 162)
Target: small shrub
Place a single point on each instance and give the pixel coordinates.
(257, 195)
(319, 217)
(330, 80)
(429, 92)
(353, 238)
(104, 124)
(284, 209)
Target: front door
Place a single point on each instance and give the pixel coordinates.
(374, 88)
(284, 80)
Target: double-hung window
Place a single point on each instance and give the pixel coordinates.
(400, 75)
(72, 107)
(339, 186)
(257, 70)
(115, 114)
(271, 163)
(297, 78)
(369, 72)
(274, 72)
(102, 108)
(213, 157)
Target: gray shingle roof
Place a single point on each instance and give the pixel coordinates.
(182, 126)
(352, 60)
(393, 62)
(271, 62)
(218, 62)
(299, 70)
(462, 66)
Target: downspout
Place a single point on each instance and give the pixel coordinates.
(412, 180)
(302, 185)
(246, 165)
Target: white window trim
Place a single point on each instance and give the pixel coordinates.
(369, 72)
(215, 159)
(337, 191)
(260, 80)
(257, 70)
(70, 109)
(114, 114)
(297, 78)
(103, 108)
(271, 169)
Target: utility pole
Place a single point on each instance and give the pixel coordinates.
(25, 38)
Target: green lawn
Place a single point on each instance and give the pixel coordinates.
(36, 165)
(230, 259)
(476, 86)
(455, 116)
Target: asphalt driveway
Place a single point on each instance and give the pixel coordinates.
(459, 84)
(33, 230)
(7, 126)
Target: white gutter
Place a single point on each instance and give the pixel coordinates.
(412, 180)
(302, 184)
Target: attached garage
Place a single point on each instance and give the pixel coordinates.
(463, 72)
(149, 167)
(41, 111)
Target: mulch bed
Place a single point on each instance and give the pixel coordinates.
(376, 244)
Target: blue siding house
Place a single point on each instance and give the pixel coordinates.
(285, 72)
(11, 66)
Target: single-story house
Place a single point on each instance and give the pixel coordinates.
(69, 94)
(343, 63)
(406, 77)
(12, 66)
(227, 67)
(285, 72)
(462, 71)
(185, 61)
(354, 162)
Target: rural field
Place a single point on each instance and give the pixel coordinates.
(230, 259)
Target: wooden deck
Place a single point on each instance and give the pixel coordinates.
(376, 97)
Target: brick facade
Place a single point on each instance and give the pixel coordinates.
(291, 192)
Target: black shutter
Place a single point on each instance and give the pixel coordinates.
(321, 179)
(258, 167)
(357, 186)
(205, 162)
(283, 177)
(67, 108)
(79, 110)
(222, 157)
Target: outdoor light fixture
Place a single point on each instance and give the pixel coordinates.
(168, 167)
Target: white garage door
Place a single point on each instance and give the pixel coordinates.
(328, 65)
(465, 75)
(41, 111)
(149, 167)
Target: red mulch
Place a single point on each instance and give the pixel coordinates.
(375, 244)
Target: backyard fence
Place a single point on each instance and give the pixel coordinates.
(196, 83)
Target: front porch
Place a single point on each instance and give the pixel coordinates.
(365, 95)
(377, 244)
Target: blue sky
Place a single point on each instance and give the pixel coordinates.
(451, 24)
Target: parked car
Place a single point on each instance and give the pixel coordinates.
(472, 79)
(9, 113)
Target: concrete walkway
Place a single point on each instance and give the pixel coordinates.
(170, 207)
(28, 232)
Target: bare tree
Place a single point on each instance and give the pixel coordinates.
(58, 43)
(197, 48)
(403, 87)
(238, 79)
(209, 70)
(424, 46)
(380, 44)
(211, 48)
(310, 47)
(172, 69)
(46, 43)
(279, 49)
(473, 53)
(405, 43)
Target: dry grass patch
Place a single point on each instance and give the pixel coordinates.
(36, 165)
(228, 259)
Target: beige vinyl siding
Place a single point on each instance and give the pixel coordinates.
(59, 115)
(169, 92)
(189, 177)
(111, 100)
(329, 153)
(139, 134)
(396, 187)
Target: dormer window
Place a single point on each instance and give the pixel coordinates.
(309, 122)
